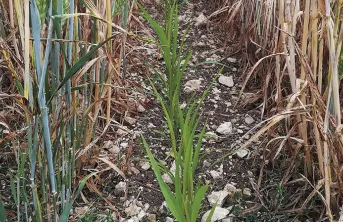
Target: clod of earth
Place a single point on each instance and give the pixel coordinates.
(192, 85)
(130, 120)
(201, 20)
(120, 187)
(231, 189)
(132, 210)
(109, 145)
(217, 174)
(214, 58)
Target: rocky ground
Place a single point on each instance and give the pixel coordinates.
(231, 175)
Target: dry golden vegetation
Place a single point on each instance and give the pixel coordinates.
(63, 88)
(293, 48)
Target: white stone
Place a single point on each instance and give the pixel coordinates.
(141, 215)
(217, 174)
(217, 197)
(115, 150)
(232, 60)
(216, 91)
(226, 80)
(81, 210)
(201, 20)
(192, 85)
(228, 104)
(163, 207)
(247, 192)
(141, 109)
(149, 52)
(182, 18)
(130, 120)
(213, 58)
(133, 219)
(121, 132)
(173, 168)
(132, 210)
(212, 135)
(168, 219)
(206, 163)
(229, 219)
(150, 125)
(230, 188)
(199, 44)
(225, 128)
(146, 206)
(246, 136)
(183, 105)
(219, 213)
(145, 166)
(124, 145)
(107, 144)
(242, 153)
(166, 178)
(120, 187)
(249, 120)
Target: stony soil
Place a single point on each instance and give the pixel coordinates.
(231, 175)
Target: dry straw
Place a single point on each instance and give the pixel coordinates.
(63, 74)
(297, 45)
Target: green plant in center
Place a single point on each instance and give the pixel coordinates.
(176, 60)
(185, 200)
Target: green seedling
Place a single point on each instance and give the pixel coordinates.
(185, 201)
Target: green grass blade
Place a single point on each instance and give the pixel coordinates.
(65, 214)
(196, 205)
(35, 21)
(3, 217)
(175, 30)
(169, 120)
(197, 149)
(161, 36)
(13, 189)
(80, 63)
(168, 195)
(211, 213)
